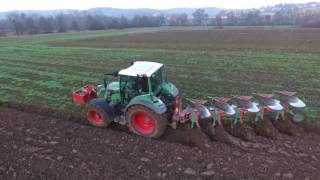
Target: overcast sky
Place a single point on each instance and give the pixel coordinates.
(7, 5)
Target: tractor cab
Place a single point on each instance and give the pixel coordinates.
(142, 78)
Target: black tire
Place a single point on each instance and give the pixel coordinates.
(154, 127)
(99, 113)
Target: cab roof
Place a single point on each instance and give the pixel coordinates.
(142, 68)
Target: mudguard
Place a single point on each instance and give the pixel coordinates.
(101, 103)
(156, 105)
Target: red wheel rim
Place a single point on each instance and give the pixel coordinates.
(143, 123)
(95, 117)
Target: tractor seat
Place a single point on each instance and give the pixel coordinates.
(113, 90)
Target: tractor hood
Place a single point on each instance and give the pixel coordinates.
(169, 89)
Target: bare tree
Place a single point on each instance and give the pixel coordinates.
(200, 17)
(62, 24)
(178, 20)
(45, 25)
(75, 25)
(3, 24)
(31, 26)
(17, 23)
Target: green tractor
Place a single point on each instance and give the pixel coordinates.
(142, 98)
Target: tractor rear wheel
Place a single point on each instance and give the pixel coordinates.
(144, 122)
(97, 113)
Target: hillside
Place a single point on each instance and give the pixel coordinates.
(212, 11)
(116, 12)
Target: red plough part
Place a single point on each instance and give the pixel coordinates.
(84, 94)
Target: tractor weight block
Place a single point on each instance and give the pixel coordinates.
(84, 94)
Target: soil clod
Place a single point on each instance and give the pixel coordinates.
(310, 127)
(286, 127)
(265, 128)
(187, 136)
(243, 132)
(221, 135)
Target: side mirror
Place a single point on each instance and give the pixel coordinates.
(114, 74)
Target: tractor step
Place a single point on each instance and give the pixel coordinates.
(120, 120)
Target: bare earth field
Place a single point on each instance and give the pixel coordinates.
(295, 39)
(34, 146)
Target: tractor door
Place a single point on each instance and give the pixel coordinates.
(132, 86)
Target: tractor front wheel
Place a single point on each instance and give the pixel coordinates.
(144, 122)
(97, 113)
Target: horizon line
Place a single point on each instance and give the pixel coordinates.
(182, 7)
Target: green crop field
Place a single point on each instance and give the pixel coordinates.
(44, 69)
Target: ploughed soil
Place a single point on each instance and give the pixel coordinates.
(43, 144)
(289, 39)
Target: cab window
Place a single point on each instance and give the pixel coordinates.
(156, 80)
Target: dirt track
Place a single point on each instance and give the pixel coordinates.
(34, 146)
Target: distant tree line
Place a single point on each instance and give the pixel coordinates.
(21, 24)
(307, 18)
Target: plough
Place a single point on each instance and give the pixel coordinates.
(147, 103)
